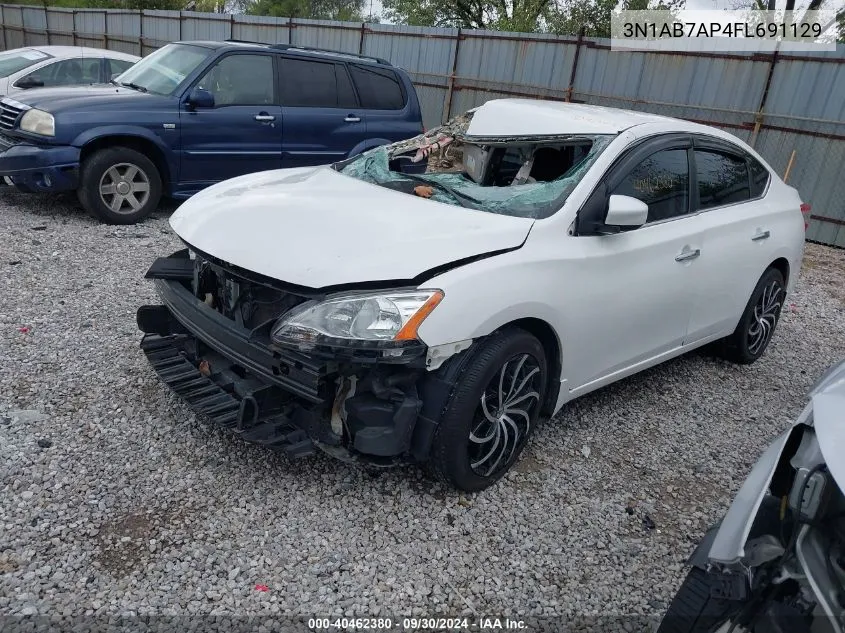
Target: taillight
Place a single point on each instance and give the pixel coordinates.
(805, 211)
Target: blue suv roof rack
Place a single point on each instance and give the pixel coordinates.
(309, 49)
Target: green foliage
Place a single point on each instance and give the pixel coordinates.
(558, 16)
(345, 10)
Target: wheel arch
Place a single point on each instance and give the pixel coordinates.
(550, 341)
(368, 144)
(142, 144)
(781, 264)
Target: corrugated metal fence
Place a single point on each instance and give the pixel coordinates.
(777, 103)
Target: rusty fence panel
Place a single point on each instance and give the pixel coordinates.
(778, 103)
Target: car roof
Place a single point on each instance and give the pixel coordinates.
(289, 49)
(81, 51)
(533, 117)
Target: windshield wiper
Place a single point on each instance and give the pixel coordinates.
(133, 86)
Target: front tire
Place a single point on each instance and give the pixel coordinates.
(491, 412)
(694, 610)
(119, 185)
(759, 320)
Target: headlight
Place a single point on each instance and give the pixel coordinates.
(38, 122)
(377, 320)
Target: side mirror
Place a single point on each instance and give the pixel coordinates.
(29, 82)
(626, 212)
(200, 98)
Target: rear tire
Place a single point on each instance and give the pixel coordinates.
(119, 185)
(493, 409)
(693, 610)
(759, 320)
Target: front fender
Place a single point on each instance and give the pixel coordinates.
(729, 542)
(131, 131)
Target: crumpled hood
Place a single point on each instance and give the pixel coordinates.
(315, 227)
(55, 100)
(829, 421)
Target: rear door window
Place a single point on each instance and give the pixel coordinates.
(117, 66)
(378, 88)
(722, 178)
(315, 84)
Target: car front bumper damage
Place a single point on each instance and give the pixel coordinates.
(34, 168)
(381, 413)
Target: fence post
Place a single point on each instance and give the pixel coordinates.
(291, 26)
(231, 26)
(73, 31)
(450, 86)
(106, 30)
(571, 87)
(180, 24)
(3, 18)
(758, 118)
(361, 39)
(47, 23)
(140, 32)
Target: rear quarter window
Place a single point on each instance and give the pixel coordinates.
(378, 88)
(759, 177)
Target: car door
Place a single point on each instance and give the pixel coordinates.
(64, 72)
(242, 132)
(636, 288)
(741, 230)
(383, 100)
(323, 122)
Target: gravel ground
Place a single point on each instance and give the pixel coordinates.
(116, 499)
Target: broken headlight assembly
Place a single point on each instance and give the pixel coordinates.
(384, 323)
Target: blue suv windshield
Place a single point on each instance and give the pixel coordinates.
(163, 71)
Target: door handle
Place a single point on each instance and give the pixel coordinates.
(761, 236)
(687, 255)
(351, 118)
(265, 118)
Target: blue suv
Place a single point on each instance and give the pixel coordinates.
(194, 113)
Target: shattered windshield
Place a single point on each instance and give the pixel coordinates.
(527, 177)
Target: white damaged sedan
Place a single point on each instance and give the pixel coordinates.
(430, 301)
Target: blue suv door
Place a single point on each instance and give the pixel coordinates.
(242, 132)
(322, 120)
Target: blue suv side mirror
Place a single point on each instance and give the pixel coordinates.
(200, 98)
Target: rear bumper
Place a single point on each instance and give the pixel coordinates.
(34, 168)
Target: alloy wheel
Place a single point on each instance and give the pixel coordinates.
(766, 314)
(124, 188)
(504, 416)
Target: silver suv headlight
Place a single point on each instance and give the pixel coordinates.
(375, 320)
(38, 122)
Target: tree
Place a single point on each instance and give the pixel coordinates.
(345, 10)
(558, 16)
(504, 15)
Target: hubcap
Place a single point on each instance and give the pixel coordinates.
(502, 421)
(766, 314)
(124, 188)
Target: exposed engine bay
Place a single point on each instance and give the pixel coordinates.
(354, 403)
(792, 576)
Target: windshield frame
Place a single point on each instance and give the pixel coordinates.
(598, 144)
(129, 76)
